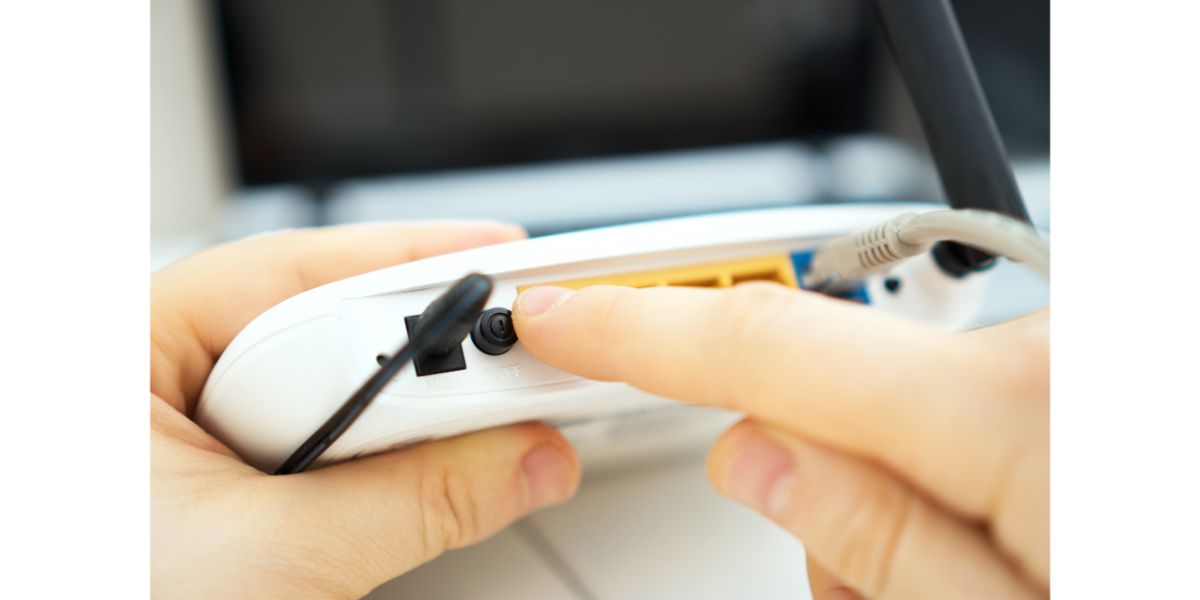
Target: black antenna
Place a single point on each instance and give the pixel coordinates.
(958, 125)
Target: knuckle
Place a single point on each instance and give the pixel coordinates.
(1020, 369)
(754, 314)
(1019, 359)
(449, 511)
(754, 310)
(614, 307)
(866, 535)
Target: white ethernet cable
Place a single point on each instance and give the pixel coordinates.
(853, 256)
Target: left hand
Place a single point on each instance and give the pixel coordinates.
(220, 528)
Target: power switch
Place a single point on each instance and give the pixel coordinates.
(493, 332)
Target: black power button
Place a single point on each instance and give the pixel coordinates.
(493, 332)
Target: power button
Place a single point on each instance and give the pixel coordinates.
(493, 332)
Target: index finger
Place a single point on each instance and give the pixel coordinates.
(908, 396)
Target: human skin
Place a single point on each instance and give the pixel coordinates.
(222, 529)
(911, 463)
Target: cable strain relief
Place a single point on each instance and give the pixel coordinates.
(958, 261)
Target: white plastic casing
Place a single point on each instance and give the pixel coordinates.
(294, 365)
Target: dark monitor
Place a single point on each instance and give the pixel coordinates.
(323, 91)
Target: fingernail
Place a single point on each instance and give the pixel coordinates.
(548, 475)
(541, 299)
(762, 476)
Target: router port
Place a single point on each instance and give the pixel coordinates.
(432, 364)
(772, 276)
(776, 269)
(706, 283)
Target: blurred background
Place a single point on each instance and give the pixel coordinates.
(559, 115)
(556, 115)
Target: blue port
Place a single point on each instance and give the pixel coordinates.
(800, 261)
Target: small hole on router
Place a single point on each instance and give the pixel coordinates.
(381, 359)
(892, 285)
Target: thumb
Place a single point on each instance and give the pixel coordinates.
(371, 519)
(868, 528)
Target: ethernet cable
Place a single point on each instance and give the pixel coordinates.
(853, 256)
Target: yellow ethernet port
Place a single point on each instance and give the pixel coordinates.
(777, 269)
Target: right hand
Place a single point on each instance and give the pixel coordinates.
(912, 463)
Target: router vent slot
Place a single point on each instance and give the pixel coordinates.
(776, 269)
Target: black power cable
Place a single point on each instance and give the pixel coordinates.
(444, 324)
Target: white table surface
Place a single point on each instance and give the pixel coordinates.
(658, 531)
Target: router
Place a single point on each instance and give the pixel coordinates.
(293, 366)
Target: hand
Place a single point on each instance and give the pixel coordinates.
(911, 463)
(221, 529)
